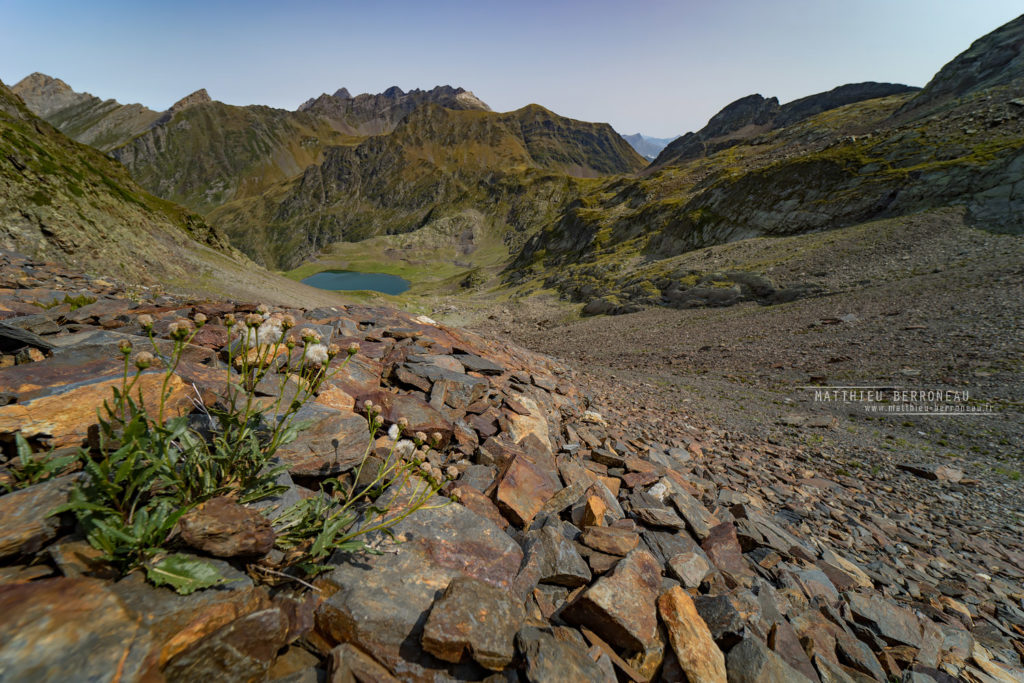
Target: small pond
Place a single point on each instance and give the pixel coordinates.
(351, 280)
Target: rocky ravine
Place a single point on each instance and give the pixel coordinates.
(582, 546)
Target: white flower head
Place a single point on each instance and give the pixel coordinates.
(394, 432)
(316, 354)
(405, 449)
(269, 332)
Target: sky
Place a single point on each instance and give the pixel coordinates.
(654, 67)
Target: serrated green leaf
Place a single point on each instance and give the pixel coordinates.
(183, 573)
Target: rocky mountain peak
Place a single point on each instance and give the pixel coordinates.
(471, 101)
(750, 110)
(41, 81)
(342, 94)
(44, 94)
(393, 92)
(198, 97)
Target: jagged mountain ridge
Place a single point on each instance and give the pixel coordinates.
(756, 114)
(436, 163)
(203, 153)
(367, 114)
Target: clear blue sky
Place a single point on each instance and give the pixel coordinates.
(660, 68)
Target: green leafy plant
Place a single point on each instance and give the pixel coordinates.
(152, 467)
(31, 469)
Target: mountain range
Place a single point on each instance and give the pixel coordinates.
(576, 207)
(647, 147)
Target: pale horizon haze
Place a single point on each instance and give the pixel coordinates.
(658, 68)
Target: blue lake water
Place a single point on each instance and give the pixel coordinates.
(348, 280)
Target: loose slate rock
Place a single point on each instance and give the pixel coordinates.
(610, 540)
(698, 655)
(224, 528)
(240, 651)
(382, 600)
(27, 525)
(723, 549)
(620, 607)
(549, 660)
(688, 568)
(896, 625)
(334, 442)
(549, 557)
(752, 662)
(65, 630)
(475, 618)
(933, 472)
(523, 489)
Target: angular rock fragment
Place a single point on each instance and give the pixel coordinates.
(723, 549)
(223, 528)
(752, 662)
(473, 618)
(550, 557)
(620, 607)
(698, 655)
(610, 540)
(25, 521)
(549, 660)
(242, 650)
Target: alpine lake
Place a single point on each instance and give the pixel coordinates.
(351, 280)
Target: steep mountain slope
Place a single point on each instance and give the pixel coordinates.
(203, 153)
(64, 201)
(993, 60)
(754, 114)
(516, 168)
(840, 167)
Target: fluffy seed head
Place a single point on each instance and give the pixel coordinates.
(333, 350)
(353, 349)
(146, 320)
(452, 472)
(269, 332)
(316, 354)
(125, 347)
(253, 320)
(394, 432)
(229, 320)
(199, 319)
(403, 423)
(262, 309)
(420, 437)
(309, 336)
(287, 321)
